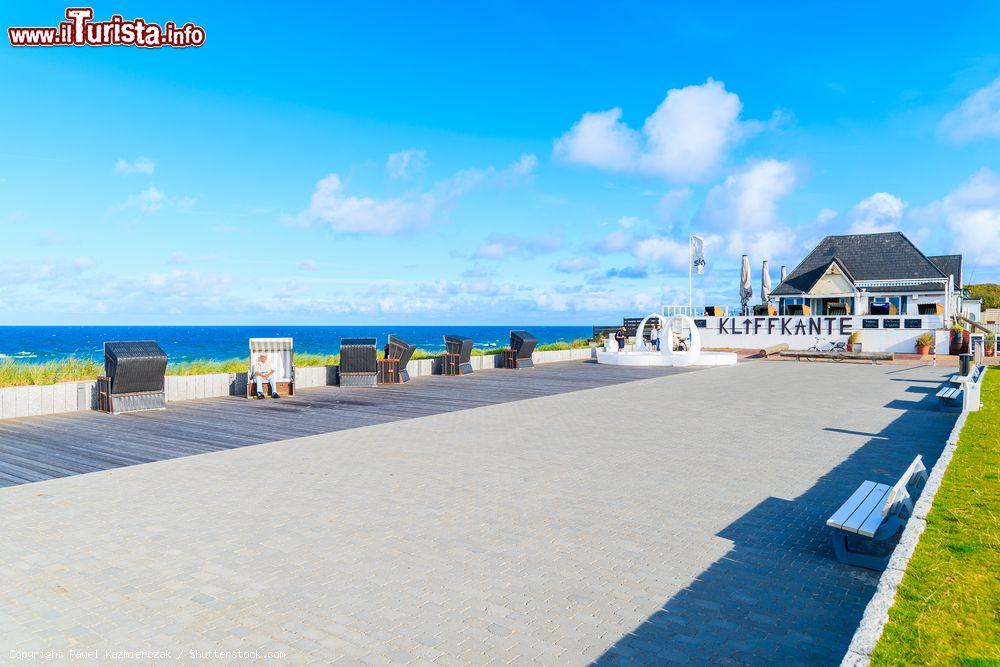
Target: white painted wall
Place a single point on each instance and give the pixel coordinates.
(872, 340)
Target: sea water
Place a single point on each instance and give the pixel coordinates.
(184, 343)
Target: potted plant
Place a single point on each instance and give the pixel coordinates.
(854, 342)
(955, 339)
(924, 342)
(990, 347)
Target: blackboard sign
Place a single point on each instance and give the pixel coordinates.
(890, 324)
(914, 323)
(701, 324)
(869, 324)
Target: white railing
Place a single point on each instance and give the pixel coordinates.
(694, 311)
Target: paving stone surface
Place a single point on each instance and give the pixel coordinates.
(673, 520)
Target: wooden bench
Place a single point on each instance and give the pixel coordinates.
(873, 357)
(872, 515)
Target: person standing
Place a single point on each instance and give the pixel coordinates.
(620, 337)
(654, 336)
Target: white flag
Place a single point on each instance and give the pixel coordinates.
(697, 254)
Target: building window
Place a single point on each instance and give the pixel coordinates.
(790, 301)
(887, 305)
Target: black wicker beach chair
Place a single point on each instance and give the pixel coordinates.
(458, 357)
(522, 344)
(133, 377)
(358, 363)
(392, 369)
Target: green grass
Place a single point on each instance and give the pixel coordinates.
(947, 610)
(18, 373)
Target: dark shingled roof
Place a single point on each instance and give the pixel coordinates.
(887, 256)
(950, 265)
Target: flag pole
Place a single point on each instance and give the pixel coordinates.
(690, 262)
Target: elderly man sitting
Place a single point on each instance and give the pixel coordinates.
(262, 372)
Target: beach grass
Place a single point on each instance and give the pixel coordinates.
(15, 373)
(947, 610)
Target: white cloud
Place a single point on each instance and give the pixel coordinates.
(971, 214)
(685, 139)
(140, 165)
(599, 139)
(662, 251)
(508, 245)
(352, 214)
(748, 199)
(882, 212)
(976, 117)
(404, 164)
(307, 265)
(619, 240)
(369, 215)
(178, 257)
(524, 167)
(148, 201)
(576, 264)
(670, 204)
(825, 215)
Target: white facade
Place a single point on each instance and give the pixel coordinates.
(878, 333)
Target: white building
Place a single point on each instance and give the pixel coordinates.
(872, 274)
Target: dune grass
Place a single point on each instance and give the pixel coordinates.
(15, 373)
(947, 610)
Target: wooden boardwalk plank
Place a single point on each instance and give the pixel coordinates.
(37, 448)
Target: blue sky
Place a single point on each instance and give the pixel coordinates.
(439, 162)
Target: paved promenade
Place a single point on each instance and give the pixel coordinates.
(675, 519)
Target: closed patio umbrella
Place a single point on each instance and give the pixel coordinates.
(765, 284)
(746, 288)
(784, 272)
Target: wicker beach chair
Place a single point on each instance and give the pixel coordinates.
(358, 362)
(281, 355)
(133, 377)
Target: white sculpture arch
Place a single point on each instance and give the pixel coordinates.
(640, 342)
(693, 353)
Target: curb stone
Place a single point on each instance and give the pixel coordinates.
(877, 611)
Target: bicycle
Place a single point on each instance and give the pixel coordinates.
(824, 345)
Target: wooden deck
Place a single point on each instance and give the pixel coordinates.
(38, 448)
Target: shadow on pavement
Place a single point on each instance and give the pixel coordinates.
(779, 596)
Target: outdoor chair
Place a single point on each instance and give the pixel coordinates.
(797, 309)
(838, 309)
(884, 308)
(133, 377)
(764, 310)
(518, 355)
(281, 356)
(930, 309)
(457, 359)
(392, 369)
(714, 311)
(873, 515)
(358, 365)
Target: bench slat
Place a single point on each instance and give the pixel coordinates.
(875, 519)
(850, 505)
(872, 503)
(950, 392)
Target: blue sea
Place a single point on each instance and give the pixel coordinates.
(38, 344)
